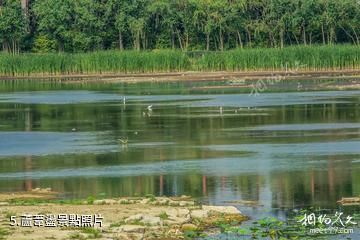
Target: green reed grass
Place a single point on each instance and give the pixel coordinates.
(298, 57)
(335, 57)
(95, 62)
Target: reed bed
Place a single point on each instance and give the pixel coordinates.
(93, 63)
(334, 57)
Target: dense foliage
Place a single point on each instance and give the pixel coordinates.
(87, 25)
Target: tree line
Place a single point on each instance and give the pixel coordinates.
(88, 25)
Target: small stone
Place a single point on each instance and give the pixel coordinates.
(199, 213)
(188, 227)
(176, 220)
(145, 201)
(222, 209)
(186, 203)
(183, 212)
(110, 201)
(136, 236)
(184, 196)
(99, 202)
(105, 202)
(163, 201)
(173, 203)
(178, 212)
(171, 212)
(123, 201)
(134, 218)
(150, 220)
(132, 228)
(4, 203)
(122, 236)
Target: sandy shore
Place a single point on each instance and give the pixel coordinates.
(125, 218)
(192, 76)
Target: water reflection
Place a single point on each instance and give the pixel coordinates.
(278, 150)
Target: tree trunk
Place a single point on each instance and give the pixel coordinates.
(137, 41)
(221, 40)
(282, 38)
(143, 36)
(304, 35)
(240, 40)
(296, 39)
(349, 35)
(121, 46)
(179, 39)
(215, 41)
(356, 36)
(323, 34)
(249, 36)
(207, 41)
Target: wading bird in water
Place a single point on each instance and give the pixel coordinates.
(123, 140)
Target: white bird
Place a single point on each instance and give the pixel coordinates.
(123, 140)
(149, 108)
(74, 129)
(221, 110)
(124, 100)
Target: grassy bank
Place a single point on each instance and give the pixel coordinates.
(336, 57)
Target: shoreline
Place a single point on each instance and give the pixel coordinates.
(191, 76)
(144, 218)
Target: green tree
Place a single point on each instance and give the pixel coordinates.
(74, 25)
(12, 25)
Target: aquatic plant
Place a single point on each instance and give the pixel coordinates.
(273, 228)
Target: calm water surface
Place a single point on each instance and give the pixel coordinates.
(282, 150)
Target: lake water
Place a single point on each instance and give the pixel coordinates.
(286, 148)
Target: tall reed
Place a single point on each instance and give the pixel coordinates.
(297, 57)
(334, 57)
(94, 62)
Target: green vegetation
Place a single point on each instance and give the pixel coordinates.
(273, 228)
(96, 62)
(291, 58)
(196, 31)
(77, 236)
(117, 224)
(164, 216)
(3, 233)
(91, 232)
(88, 25)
